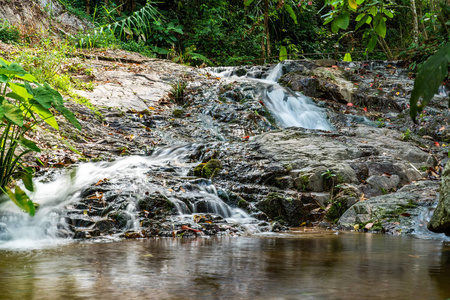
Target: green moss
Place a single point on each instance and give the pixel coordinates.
(303, 182)
(209, 169)
(178, 113)
(198, 170)
(243, 204)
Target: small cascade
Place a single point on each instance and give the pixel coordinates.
(290, 109)
(59, 193)
(421, 222)
(442, 91)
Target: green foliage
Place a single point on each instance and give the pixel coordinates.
(428, 80)
(372, 13)
(177, 91)
(9, 33)
(23, 106)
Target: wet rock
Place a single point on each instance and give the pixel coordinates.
(278, 207)
(395, 210)
(209, 169)
(440, 221)
(155, 204)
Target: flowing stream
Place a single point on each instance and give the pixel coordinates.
(289, 108)
(39, 260)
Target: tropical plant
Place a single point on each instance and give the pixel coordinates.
(24, 103)
(372, 14)
(428, 80)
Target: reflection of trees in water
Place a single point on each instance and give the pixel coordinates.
(439, 271)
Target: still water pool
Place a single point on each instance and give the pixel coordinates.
(312, 265)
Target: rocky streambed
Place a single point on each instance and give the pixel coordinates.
(217, 161)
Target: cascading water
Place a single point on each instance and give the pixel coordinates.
(134, 176)
(290, 109)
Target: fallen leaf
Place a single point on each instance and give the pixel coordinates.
(405, 215)
(365, 109)
(245, 138)
(349, 104)
(151, 108)
(415, 256)
(148, 255)
(368, 225)
(437, 144)
(442, 128)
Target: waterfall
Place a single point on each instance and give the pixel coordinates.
(59, 192)
(290, 109)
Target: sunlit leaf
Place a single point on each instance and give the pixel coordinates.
(21, 199)
(352, 4)
(283, 53)
(13, 113)
(347, 57)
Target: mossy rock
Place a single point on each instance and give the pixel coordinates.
(178, 113)
(198, 170)
(209, 169)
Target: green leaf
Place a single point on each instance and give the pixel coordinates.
(29, 144)
(69, 116)
(19, 90)
(291, 12)
(334, 26)
(352, 4)
(343, 20)
(248, 2)
(373, 11)
(13, 113)
(362, 21)
(372, 43)
(27, 179)
(359, 17)
(347, 57)
(283, 53)
(428, 80)
(45, 95)
(21, 199)
(45, 114)
(388, 13)
(381, 27)
(3, 78)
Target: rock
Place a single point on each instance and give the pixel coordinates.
(156, 204)
(440, 221)
(209, 169)
(395, 208)
(278, 207)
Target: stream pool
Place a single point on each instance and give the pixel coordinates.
(296, 265)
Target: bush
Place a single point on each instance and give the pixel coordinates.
(9, 33)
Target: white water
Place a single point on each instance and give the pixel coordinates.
(442, 91)
(290, 109)
(129, 175)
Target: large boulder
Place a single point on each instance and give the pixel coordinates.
(395, 212)
(440, 221)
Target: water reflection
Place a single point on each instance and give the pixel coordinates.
(346, 266)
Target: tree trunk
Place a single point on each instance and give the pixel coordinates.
(266, 28)
(415, 22)
(88, 7)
